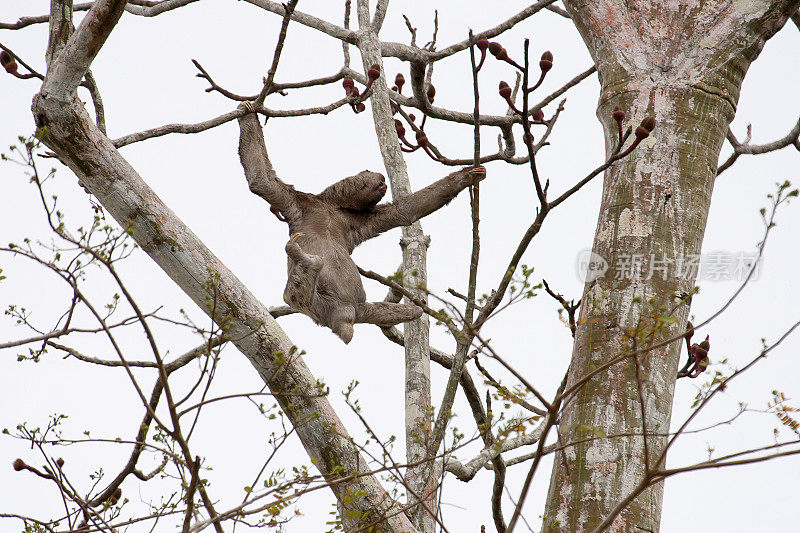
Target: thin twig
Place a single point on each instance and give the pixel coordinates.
(259, 101)
(474, 190)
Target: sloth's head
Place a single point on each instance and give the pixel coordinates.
(357, 193)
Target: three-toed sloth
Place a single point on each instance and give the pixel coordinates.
(324, 228)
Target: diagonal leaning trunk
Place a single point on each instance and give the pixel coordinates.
(65, 127)
(682, 62)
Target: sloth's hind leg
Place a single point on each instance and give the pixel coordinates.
(302, 282)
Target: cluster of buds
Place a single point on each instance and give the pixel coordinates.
(698, 355)
(504, 90)
(351, 91)
(20, 465)
(422, 139)
(401, 134)
(545, 64)
(641, 132)
(497, 50)
(400, 80)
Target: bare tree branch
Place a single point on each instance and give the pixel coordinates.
(70, 66)
(222, 119)
(135, 7)
(792, 138)
(309, 20)
(493, 32)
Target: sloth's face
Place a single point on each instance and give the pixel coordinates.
(359, 193)
(371, 189)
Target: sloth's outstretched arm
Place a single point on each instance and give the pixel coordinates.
(261, 177)
(408, 210)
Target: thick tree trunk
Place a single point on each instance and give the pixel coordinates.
(682, 62)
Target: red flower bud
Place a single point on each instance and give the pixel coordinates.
(360, 107)
(399, 80)
(538, 115)
(643, 130)
(60, 462)
(482, 44)
(618, 114)
(505, 92)
(422, 139)
(348, 85)
(703, 348)
(431, 93)
(8, 62)
(401, 130)
(115, 496)
(495, 48)
(19, 464)
(546, 63)
(374, 72)
(411, 117)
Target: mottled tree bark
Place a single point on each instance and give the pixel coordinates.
(682, 62)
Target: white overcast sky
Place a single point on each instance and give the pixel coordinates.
(147, 79)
